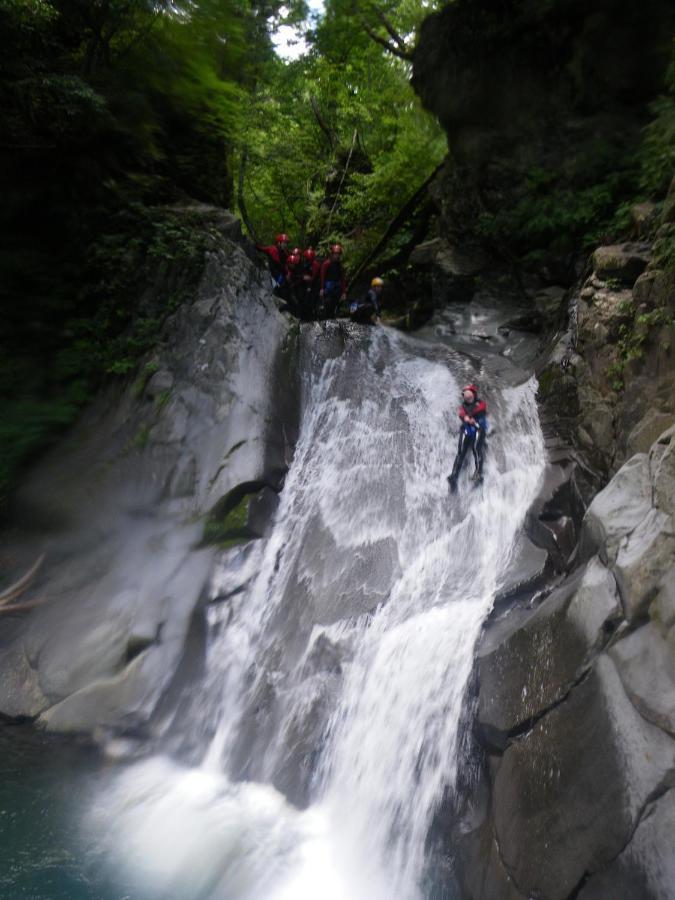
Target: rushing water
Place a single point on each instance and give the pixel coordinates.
(337, 674)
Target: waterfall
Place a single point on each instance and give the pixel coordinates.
(337, 674)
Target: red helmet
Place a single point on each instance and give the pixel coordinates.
(309, 254)
(336, 248)
(281, 238)
(293, 259)
(472, 388)
(297, 251)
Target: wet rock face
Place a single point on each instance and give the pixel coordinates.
(119, 509)
(495, 69)
(576, 710)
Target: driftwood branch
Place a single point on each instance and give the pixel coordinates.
(15, 590)
(15, 609)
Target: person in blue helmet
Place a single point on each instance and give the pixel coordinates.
(472, 435)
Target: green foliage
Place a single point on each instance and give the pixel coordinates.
(635, 336)
(228, 529)
(657, 157)
(336, 141)
(563, 210)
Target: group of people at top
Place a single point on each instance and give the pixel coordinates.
(314, 288)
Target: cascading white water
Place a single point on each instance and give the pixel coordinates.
(371, 557)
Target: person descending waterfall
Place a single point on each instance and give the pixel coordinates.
(367, 311)
(333, 282)
(472, 434)
(277, 254)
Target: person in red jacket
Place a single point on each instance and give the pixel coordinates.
(294, 281)
(472, 434)
(308, 291)
(277, 254)
(333, 281)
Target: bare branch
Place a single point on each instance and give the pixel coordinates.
(407, 55)
(393, 34)
(322, 123)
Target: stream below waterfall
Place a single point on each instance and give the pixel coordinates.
(313, 756)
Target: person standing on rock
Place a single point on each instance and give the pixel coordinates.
(472, 434)
(277, 254)
(310, 271)
(333, 281)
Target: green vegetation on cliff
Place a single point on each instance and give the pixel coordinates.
(116, 115)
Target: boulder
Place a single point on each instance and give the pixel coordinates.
(452, 261)
(647, 430)
(643, 216)
(646, 666)
(161, 382)
(524, 672)
(645, 870)
(623, 262)
(618, 509)
(569, 794)
(549, 301)
(597, 422)
(644, 556)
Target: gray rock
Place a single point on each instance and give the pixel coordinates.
(662, 610)
(527, 570)
(624, 262)
(646, 665)
(644, 555)
(482, 871)
(161, 382)
(525, 672)
(645, 870)
(21, 692)
(648, 430)
(548, 302)
(597, 420)
(450, 260)
(425, 254)
(123, 571)
(643, 216)
(618, 509)
(662, 465)
(173, 423)
(568, 796)
(183, 479)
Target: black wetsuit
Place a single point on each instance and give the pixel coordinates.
(363, 311)
(471, 437)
